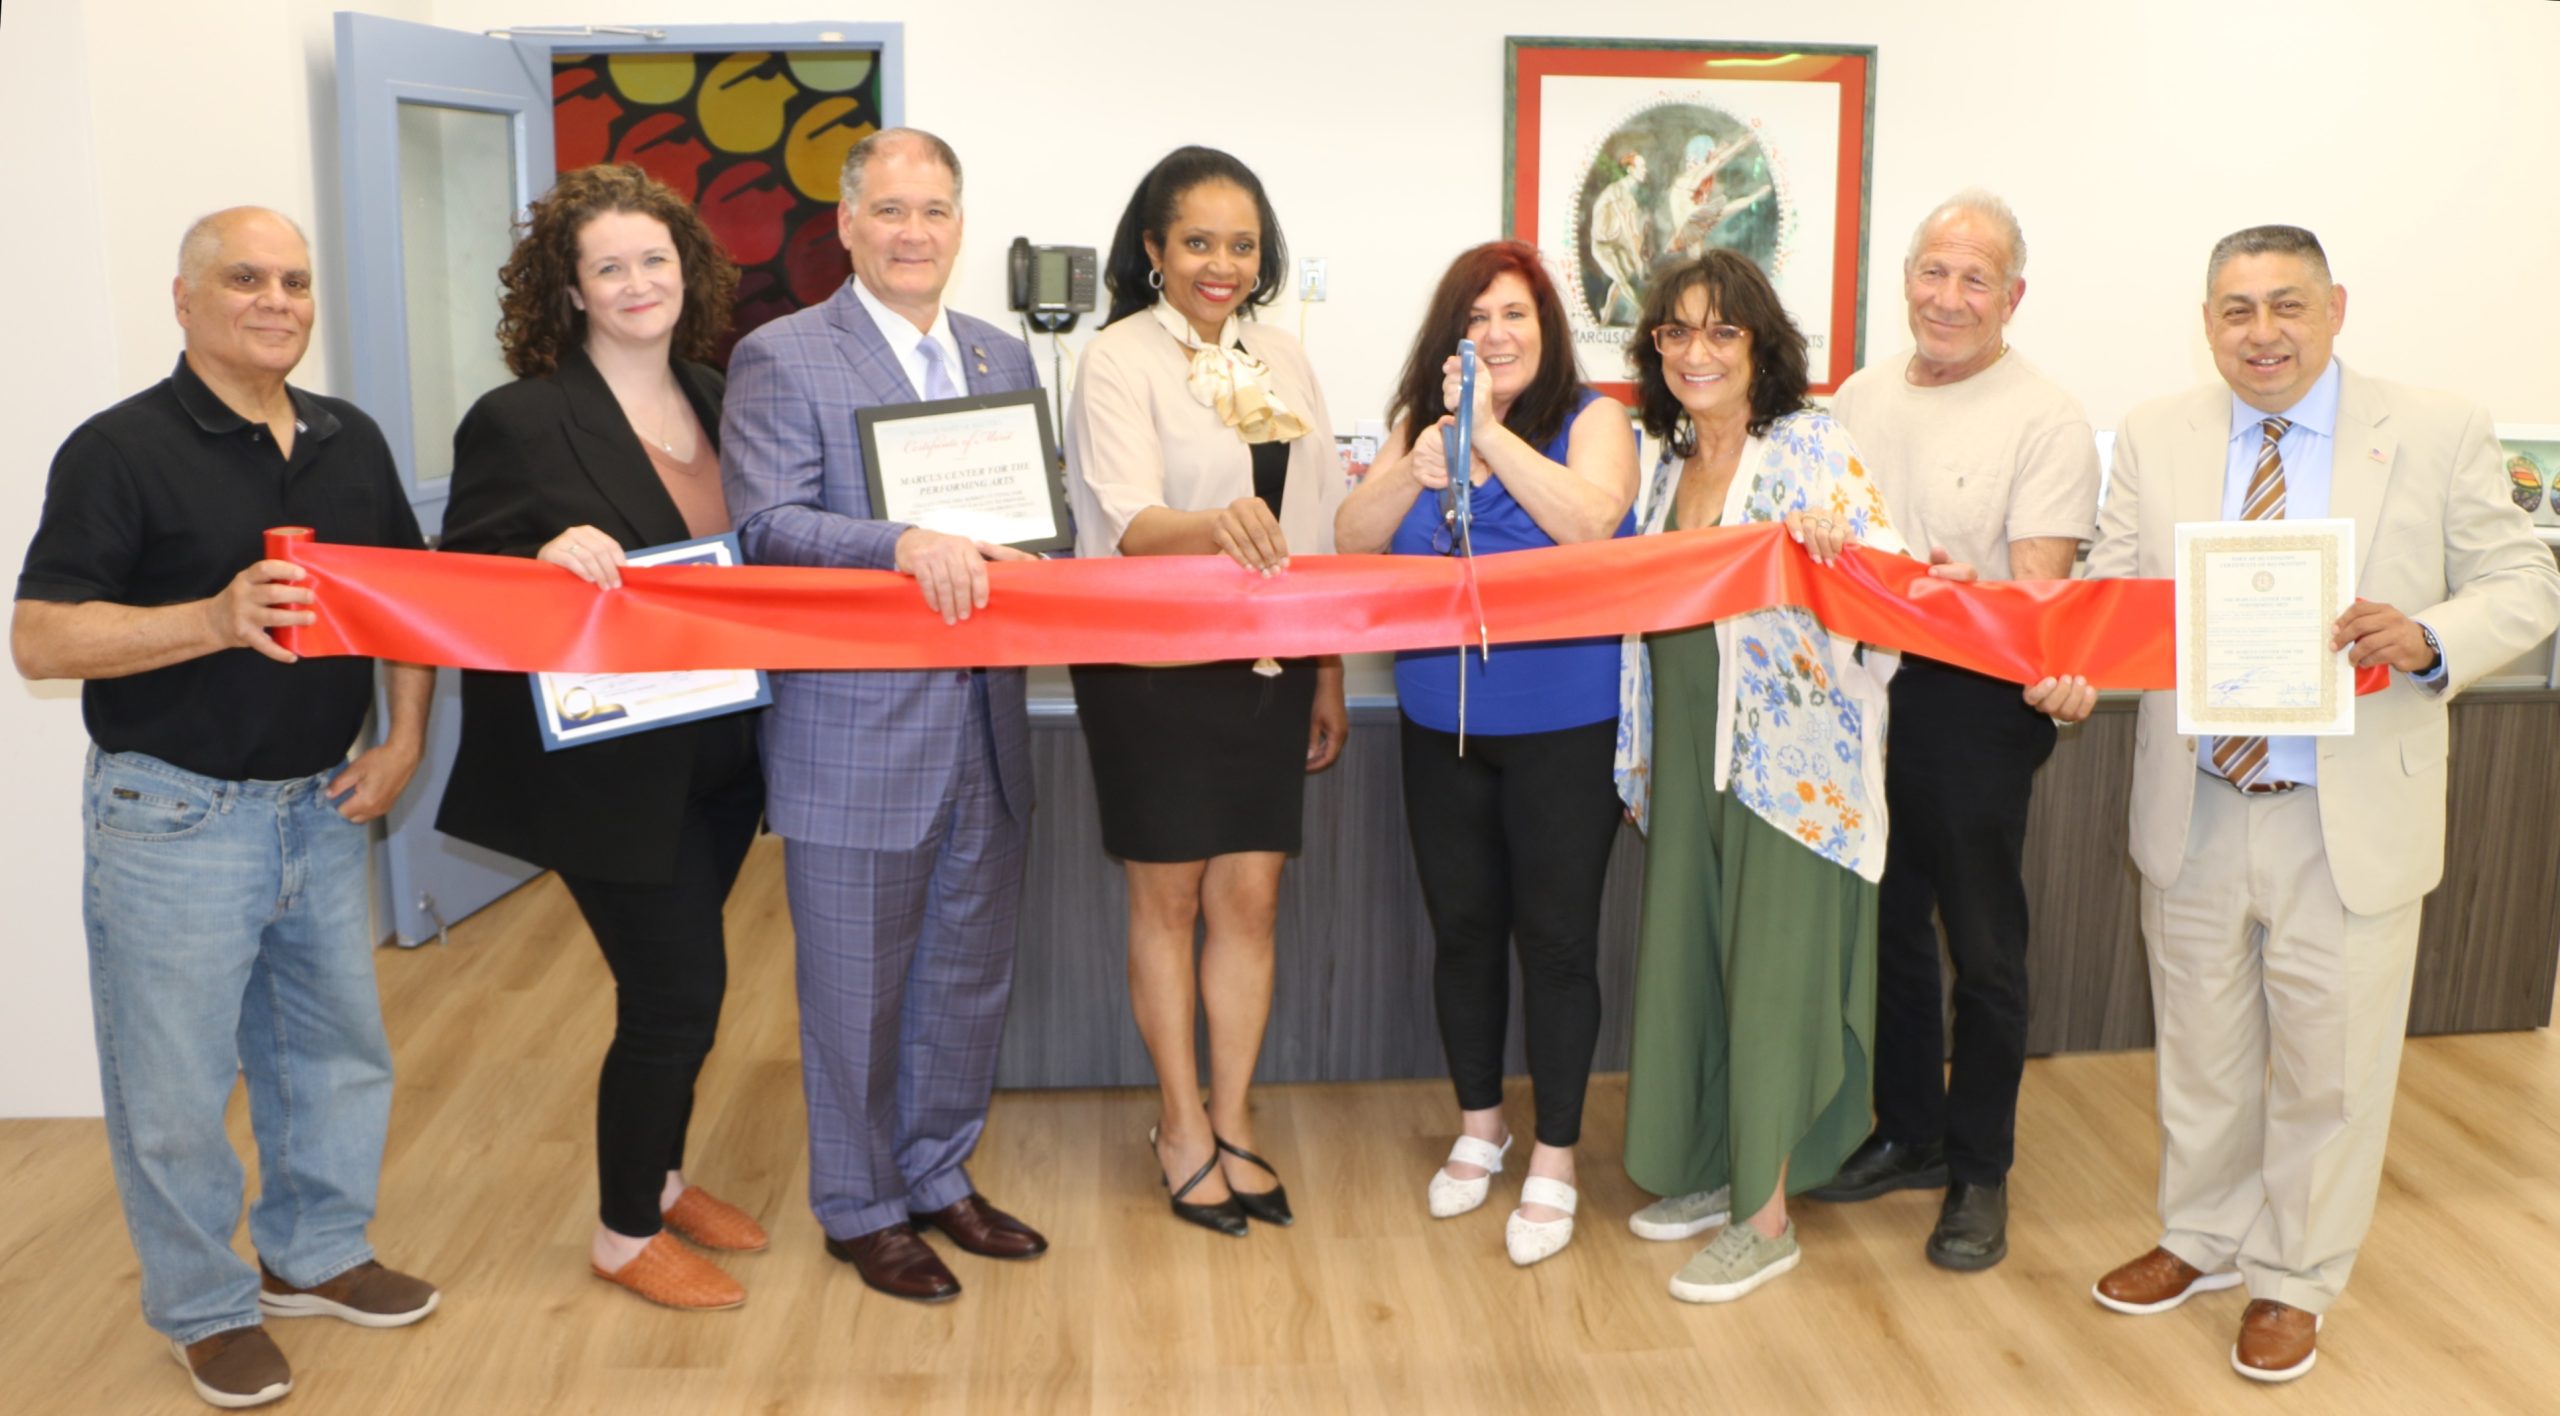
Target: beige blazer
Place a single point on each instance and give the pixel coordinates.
(1136, 438)
(2436, 537)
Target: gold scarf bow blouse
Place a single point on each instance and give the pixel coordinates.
(1234, 383)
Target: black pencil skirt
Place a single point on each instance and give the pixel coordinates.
(1198, 761)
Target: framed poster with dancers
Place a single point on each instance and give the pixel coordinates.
(1623, 157)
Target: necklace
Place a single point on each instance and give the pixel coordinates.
(661, 440)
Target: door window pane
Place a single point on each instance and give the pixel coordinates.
(457, 203)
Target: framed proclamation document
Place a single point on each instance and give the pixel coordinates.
(2256, 603)
(984, 467)
(581, 708)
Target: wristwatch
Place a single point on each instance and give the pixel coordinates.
(2433, 648)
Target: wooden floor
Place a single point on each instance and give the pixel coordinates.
(1367, 1305)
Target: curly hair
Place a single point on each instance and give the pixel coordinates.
(537, 322)
(1737, 294)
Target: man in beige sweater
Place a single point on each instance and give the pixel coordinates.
(1994, 463)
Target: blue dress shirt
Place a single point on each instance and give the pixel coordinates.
(2308, 449)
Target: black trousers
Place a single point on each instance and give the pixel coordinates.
(1512, 842)
(1960, 761)
(670, 962)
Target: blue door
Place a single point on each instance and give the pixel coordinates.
(443, 139)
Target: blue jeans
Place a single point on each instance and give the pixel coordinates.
(229, 933)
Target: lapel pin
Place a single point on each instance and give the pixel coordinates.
(2375, 454)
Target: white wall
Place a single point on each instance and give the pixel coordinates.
(2127, 140)
(51, 382)
(2416, 142)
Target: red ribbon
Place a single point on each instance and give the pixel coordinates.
(507, 612)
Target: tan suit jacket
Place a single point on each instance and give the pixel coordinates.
(2436, 537)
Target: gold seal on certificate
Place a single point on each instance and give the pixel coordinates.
(579, 708)
(984, 467)
(2256, 604)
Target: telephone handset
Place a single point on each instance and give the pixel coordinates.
(1051, 285)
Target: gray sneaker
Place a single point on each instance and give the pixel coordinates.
(1739, 1260)
(1680, 1216)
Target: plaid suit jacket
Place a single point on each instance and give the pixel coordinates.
(860, 759)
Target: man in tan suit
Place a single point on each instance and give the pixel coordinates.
(2281, 877)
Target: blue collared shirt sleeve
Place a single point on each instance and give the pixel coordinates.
(2433, 680)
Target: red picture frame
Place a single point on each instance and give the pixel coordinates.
(1621, 156)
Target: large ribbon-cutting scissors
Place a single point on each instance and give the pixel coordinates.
(1458, 515)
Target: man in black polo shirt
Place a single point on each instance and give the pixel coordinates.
(224, 889)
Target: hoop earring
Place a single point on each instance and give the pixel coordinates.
(1155, 278)
(1256, 285)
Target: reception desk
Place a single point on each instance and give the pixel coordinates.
(1353, 995)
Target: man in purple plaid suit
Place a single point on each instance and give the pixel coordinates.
(902, 797)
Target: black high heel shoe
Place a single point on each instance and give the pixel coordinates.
(1226, 1216)
(1270, 1206)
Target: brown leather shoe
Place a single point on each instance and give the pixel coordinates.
(2277, 1342)
(896, 1262)
(2155, 1283)
(367, 1295)
(237, 1368)
(984, 1230)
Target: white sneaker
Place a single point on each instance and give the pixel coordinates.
(1680, 1216)
(1530, 1240)
(1451, 1196)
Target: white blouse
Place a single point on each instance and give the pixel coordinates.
(1137, 437)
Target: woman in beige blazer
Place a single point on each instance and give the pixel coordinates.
(1196, 431)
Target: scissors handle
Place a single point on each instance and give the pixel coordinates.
(1457, 499)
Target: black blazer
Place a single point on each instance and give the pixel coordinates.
(531, 460)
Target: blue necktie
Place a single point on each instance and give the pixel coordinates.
(937, 379)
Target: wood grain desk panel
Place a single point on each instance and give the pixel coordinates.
(1353, 989)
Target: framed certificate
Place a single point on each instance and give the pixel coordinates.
(2256, 603)
(984, 467)
(573, 709)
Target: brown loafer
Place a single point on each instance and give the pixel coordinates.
(673, 1276)
(367, 1295)
(2155, 1283)
(714, 1223)
(984, 1230)
(2277, 1343)
(237, 1368)
(896, 1262)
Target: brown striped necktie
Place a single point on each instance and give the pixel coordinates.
(2243, 760)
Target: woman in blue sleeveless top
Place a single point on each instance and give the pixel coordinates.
(1511, 839)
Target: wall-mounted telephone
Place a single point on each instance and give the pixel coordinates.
(1051, 285)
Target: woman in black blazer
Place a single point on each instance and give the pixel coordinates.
(607, 442)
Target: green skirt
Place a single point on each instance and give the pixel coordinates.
(1755, 999)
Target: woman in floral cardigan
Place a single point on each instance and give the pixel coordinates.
(1752, 750)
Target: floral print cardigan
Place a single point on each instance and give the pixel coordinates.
(1800, 712)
